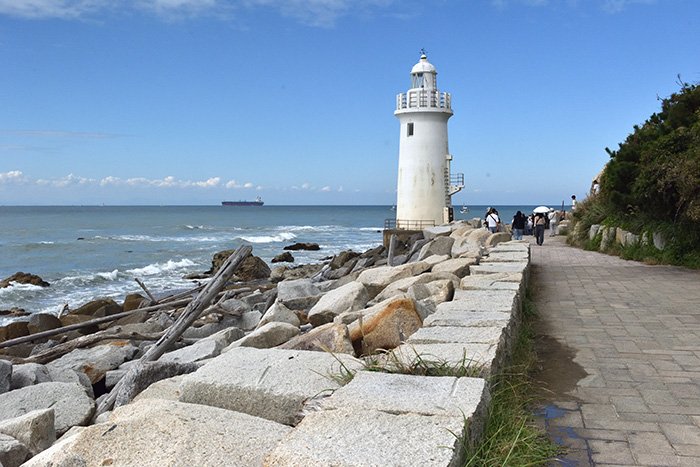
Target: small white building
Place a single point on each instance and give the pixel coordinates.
(425, 185)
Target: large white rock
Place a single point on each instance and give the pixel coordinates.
(268, 383)
(28, 374)
(156, 432)
(204, 348)
(72, 406)
(35, 429)
(12, 452)
(483, 300)
(401, 394)
(481, 358)
(372, 421)
(95, 361)
(349, 297)
(457, 334)
(5, 376)
(507, 256)
(278, 313)
(457, 266)
(502, 281)
(452, 317)
(402, 285)
(66, 375)
(376, 279)
(490, 268)
(270, 335)
(168, 389)
(432, 232)
(437, 246)
(348, 437)
(298, 293)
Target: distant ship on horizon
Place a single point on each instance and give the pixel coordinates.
(258, 202)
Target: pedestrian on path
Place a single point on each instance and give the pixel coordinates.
(518, 225)
(539, 228)
(553, 219)
(492, 220)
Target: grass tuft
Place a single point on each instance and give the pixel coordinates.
(511, 436)
(422, 365)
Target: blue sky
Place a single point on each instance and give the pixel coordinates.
(197, 101)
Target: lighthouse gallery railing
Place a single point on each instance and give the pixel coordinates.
(423, 99)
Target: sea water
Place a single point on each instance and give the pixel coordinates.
(86, 252)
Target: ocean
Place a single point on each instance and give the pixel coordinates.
(86, 252)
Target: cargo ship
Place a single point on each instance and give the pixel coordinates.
(258, 202)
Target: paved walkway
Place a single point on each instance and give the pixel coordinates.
(635, 331)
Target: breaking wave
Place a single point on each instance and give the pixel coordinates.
(282, 237)
(157, 268)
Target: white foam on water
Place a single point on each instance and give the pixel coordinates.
(282, 237)
(370, 229)
(110, 276)
(158, 268)
(15, 287)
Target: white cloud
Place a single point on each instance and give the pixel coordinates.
(248, 185)
(326, 188)
(72, 180)
(232, 184)
(63, 9)
(323, 13)
(68, 180)
(340, 189)
(209, 183)
(109, 180)
(616, 6)
(13, 176)
(181, 9)
(610, 6)
(305, 186)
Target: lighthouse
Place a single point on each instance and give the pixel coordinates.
(425, 185)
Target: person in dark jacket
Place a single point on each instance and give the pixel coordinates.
(519, 221)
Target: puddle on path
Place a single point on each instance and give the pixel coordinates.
(557, 372)
(557, 376)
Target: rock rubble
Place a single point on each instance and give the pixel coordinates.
(276, 371)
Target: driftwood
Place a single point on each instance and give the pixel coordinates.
(84, 341)
(72, 327)
(191, 313)
(180, 295)
(392, 248)
(148, 292)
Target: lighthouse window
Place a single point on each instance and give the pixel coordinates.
(417, 80)
(409, 129)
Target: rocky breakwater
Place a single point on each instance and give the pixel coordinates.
(351, 362)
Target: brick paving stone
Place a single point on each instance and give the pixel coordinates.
(611, 452)
(635, 331)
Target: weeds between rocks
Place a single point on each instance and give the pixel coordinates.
(420, 365)
(511, 436)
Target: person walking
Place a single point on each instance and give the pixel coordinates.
(553, 220)
(518, 225)
(539, 228)
(573, 203)
(492, 220)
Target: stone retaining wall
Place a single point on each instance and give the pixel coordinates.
(610, 235)
(284, 407)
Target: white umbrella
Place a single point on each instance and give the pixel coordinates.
(542, 209)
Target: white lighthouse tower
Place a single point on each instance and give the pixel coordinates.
(425, 185)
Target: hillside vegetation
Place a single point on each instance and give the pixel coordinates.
(652, 183)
